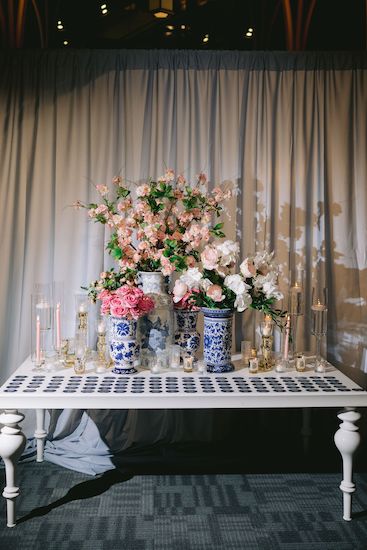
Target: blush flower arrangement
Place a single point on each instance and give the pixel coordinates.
(215, 286)
(126, 302)
(160, 225)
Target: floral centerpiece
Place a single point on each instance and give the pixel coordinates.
(219, 292)
(124, 306)
(158, 225)
(216, 287)
(156, 228)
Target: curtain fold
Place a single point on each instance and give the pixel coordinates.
(288, 130)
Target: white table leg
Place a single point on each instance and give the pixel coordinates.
(40, 433)
(347, 439)
(12, 443)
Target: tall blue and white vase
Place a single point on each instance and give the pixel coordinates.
(123, 346)
(218, 339)
(186, 335)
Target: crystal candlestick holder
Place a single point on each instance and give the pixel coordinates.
(295, 307)
(319, 323)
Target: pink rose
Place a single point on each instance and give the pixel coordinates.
(105, 308)
(179, 291)
(104, 295)
(146, 304)
(116, 307)
(129, 296)
(215, 293)
(210, 257)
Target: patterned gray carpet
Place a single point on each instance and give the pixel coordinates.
(64, 510)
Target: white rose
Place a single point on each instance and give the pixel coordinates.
(228, 251)
(192, 277)
(248, 268)
(236, 284)
(205, 284)
(268, 285)
(242, 302)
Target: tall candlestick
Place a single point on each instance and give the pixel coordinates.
(58, 327)
(286, 337)
(38, 340)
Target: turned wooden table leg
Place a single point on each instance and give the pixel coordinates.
(347, 440)
(40, 433)
(12, 443)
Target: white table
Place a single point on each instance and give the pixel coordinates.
(27, 389)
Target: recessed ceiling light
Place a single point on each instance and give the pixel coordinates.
(206, 38)
(60, 26)
(183, 27)
(249, 34)
(168, 33)
(103, 6)
(66, 43)
(170, 27)
(250, 29)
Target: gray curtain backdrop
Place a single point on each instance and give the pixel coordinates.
(288, 131)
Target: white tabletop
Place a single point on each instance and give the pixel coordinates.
(174, 389)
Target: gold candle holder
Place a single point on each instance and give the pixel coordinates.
(266, 362)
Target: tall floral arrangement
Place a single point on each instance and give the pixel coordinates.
(215, 285)
(158, 225)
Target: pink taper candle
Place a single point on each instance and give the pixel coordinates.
(58, 326)
(38, 340)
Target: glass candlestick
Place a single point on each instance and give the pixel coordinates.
(319, 323)
(41, 324)
(295, 307)
(81, 306)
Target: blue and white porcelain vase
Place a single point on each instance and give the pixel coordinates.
(186, 335)
(123, 346)
(218, 339)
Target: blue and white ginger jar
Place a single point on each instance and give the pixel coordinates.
(123, 345)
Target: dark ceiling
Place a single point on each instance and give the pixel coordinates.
(277, 24)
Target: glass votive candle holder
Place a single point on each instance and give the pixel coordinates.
(300, 362)
(201, 366)
(79, 365)
(253, 365)
(188, 363)
(174, 356)
(162, 358)
(282, 365)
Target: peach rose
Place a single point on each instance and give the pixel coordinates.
(210, 257)
(215, 293)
